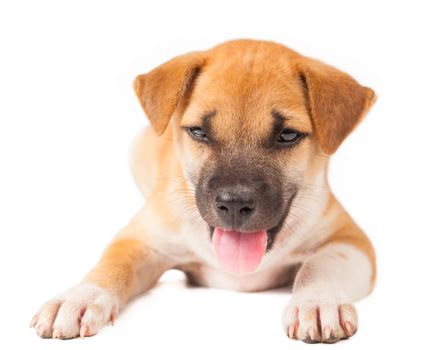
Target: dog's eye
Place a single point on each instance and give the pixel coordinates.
(197, 133)
(289, 137)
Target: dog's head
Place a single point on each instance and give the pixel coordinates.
(255, 123)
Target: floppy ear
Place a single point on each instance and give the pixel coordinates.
(335, 100)
(167, 87)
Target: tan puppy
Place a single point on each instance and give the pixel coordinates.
(234, 172)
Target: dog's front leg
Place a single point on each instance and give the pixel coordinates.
(339, 273)
(127, 267)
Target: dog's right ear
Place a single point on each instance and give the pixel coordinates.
(167, 87)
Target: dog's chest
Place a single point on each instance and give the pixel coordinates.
(261, 280)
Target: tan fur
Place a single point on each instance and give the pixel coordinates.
(115, 270)
(239, 83)
(161, 91)
(348, 232)
(336, 102)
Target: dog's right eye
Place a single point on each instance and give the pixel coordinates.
(197, 133)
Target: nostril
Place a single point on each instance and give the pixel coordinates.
(245, 210)
(222, 208)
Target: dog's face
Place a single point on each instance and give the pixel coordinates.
(255, 123)
(247, 144)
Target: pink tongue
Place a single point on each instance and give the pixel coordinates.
(239, 252)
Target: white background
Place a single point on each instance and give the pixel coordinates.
(68, 115)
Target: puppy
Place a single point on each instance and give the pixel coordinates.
(234, 172)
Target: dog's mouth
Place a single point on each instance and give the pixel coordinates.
(241, 252)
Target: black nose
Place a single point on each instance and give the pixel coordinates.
(235, 207)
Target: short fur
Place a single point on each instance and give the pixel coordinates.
(237, 89)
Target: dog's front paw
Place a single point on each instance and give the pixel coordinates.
(315, 320)
(81, 311)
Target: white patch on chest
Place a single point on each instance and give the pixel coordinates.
(261, 280)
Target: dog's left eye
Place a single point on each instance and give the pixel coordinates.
(197, 133)
(289, 137)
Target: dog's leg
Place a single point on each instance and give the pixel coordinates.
(339, 273)
(128, 267)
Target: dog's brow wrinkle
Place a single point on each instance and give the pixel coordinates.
(209, 115)
(206, 120)
(278, 115)
(277, 126)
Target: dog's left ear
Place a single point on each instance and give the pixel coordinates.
(166, 88)
(336, 102)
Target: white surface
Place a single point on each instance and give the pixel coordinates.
(68, 115)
